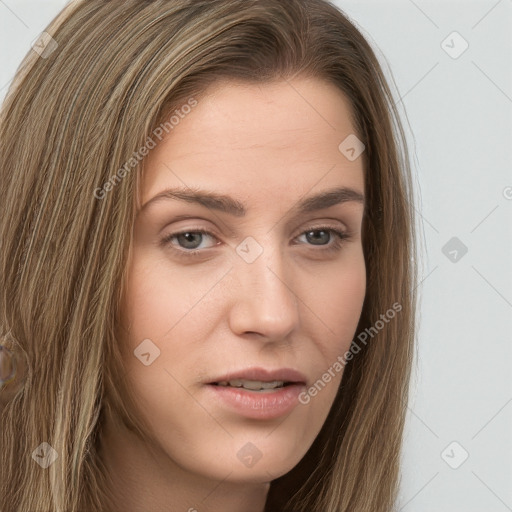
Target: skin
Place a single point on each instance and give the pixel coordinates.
(297, 305)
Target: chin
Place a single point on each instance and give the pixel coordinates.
(245, 458)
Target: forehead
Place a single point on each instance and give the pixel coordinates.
(275, 136)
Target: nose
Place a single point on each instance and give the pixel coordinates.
(263, 300)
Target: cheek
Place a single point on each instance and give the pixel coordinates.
(168, 307)
(160, 318)
(337, 299)
(160, 296)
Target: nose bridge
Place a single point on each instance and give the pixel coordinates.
(265, 301)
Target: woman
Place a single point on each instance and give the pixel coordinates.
(265, 368)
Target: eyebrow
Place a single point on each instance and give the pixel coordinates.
(226, 204)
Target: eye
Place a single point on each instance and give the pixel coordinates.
(330, 238)
(190, 238)
(326, 234)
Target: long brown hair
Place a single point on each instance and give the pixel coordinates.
(71, 120)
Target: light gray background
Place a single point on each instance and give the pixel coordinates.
(459, 111)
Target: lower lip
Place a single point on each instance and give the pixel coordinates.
(262, 405)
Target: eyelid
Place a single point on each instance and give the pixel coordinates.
(166, 238)
(339, 236)
(232, 233)
(314, 225)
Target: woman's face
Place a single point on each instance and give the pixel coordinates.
(270, 295)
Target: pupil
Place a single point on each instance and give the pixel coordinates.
(187, 237)
(316, 238)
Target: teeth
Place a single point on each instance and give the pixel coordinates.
(253, 385)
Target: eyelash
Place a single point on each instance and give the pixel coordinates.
(335, 246)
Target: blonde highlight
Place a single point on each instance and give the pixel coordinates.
(67, 125)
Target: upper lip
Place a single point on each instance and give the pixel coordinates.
(263, 375)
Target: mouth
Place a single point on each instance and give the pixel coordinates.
(260, 379)
(258, 393)
(254, 385)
